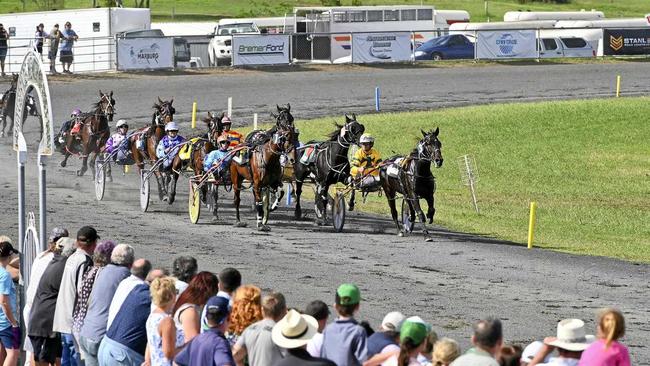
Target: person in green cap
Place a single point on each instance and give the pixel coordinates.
(411, 338)
(344, 340)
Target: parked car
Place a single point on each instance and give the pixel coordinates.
(565, 47)
(219, 49)
(181, 47)
(453, 46)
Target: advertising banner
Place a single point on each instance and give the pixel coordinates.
(506, 44)
(145, 53)
(381, 47)
(260, 50)
(626, 41)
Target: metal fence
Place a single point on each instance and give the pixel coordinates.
(90, 54)
(98, 54)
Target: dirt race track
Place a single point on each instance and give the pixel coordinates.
(450, 282)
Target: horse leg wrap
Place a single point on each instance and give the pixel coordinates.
(259, 207)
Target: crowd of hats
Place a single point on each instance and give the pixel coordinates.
(298, 328)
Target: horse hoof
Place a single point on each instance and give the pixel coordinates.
(263, 228)
(400, 234)
(165, 199)
(2, 134)
(109, 179)
(240, 224)
(350, 207)
(63, 164)
(80, 173)
(428, 239)
(171, 200)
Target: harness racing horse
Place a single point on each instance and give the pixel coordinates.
(284, 120)
(8, 104)
(263, 171)
(331, 164)
(92, 135)
(414, 179)
(199, 148)
(149, 137)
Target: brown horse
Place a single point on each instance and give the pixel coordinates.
(263, 170)
(143, 145)
(93, 134)
(199, 149)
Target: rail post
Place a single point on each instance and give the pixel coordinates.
(618, 86)
(254, 121)
(194, 115)
(531, 224)
(377, 96)
(229, 106)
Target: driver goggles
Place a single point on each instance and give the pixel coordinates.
(124, 126)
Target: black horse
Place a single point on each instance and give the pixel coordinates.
(331, 164)
(414, 179)
(8, 105)
(283, 120)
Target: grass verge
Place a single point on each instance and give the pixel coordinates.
(585, 162)
(196, 10)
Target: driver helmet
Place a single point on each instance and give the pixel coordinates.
(221, 139)
(75, 112)
(367, 139)
(121, 123)
(226, 120)
(171, 126)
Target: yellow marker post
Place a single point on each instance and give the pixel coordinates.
(126, 169)
(531, 224)
(618, 85)
(194, 115)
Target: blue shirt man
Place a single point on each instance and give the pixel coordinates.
(210, 347)
(220, 156)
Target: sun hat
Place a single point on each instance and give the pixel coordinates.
(6, 249)
(87, 234)
(58, 233)
(393, 321)
(415, 330)
(348, 294)
(571, 336)
(294, 330)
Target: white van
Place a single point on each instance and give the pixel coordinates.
(219, 49)
(551, 47)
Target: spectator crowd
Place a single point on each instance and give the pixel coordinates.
(60, 42)
(94, 303)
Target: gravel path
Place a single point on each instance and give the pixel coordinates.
(451, 281)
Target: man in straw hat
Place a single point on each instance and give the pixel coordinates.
(293, 333)
(571, 340)
(210, 347)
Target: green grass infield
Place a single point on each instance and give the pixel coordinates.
(585, 162)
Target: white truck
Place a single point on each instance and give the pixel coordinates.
(95, 49)
(552, 47)
(219, 49)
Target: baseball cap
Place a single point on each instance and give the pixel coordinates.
(57, 233)
(414, 330)
(87, 234)
(348, 294)
(393, 321)
(217, 309)
(6, 249)
(417, 319)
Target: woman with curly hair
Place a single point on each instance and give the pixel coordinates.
(246, 310)
(187, 310)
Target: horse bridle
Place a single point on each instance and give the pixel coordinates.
(346, 141)
(164, 110)
(108, 103)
